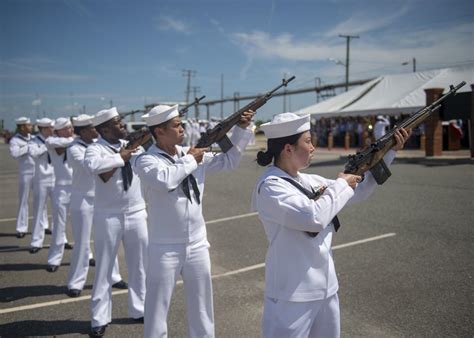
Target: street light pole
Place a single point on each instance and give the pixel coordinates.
(348, 41)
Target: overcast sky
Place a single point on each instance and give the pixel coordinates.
(59, 57)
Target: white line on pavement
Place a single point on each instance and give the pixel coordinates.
(225, 274)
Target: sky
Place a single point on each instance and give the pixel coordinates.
(65, 57)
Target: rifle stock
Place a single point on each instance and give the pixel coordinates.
(371, 158)
(218, 134)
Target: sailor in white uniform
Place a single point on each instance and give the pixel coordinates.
(173, 179)
(82, 207)
(298, 212)
(56, 145)
(43, 181)
(19, 150)
(119, 216)
(380, 126)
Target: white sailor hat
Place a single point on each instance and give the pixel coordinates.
(144, 117)
(22, 120)
(45, 122)
(104, 115)
(82, 120)
(61, 123)
(161, 113)
(286, 124)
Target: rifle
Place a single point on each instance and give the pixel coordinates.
(138, 138)
(184, 110)
(218, 134)
(371, 158)
(135, 139)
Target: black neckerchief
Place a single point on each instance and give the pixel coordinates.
(47, 152)
(187, 180)
(127, 172)
(312, 195)
(69, 146)
(21, 137)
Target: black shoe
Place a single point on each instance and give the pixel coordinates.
(52, 268)
(68, 246)
(20, 234)
(47, 232)
(98, 331)
(73, 293)
(120, 285)
(34, 249)
(92, 262)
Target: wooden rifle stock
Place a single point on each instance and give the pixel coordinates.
(371, 158)
(218, 134)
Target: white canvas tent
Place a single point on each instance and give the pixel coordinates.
(391, 94)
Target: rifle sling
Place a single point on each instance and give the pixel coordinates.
(311, 195)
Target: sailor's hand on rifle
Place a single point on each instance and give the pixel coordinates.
(245, 119)
(401, 136)
(352, 180)
(198, 153)
(126, 154)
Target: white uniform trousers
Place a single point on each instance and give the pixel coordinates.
(319, 318)
(61, 202)
(25, 185)
(109, 231)
(41, 192)
(165, 263)
(81, 222)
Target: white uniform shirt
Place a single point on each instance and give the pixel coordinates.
(19, 150)
(172, 217)
(82, 180)
(44, 171)
(110, 196)
(62, 168)
(298, 267)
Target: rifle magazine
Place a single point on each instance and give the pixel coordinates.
(380, 172)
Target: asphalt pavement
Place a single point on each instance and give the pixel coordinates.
(404, 258)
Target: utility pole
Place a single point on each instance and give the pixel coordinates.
(196, 106)
(188, 73)
(348, 42)
(222, 96)
(414, 64)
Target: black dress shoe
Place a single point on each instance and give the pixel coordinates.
(34, 249)
(20, 234)
(73, 293)
(52, 268)
(98, 331)
(47, 232)
(120, 285)
(139, 320)
(68, 246)
(92, 262)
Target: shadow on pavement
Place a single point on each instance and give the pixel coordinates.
(44, 328)
(14, 293)
(4, 234)
(434, 162)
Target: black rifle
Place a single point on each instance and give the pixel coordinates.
(185, 109)
(218, 134)
(371, 158)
